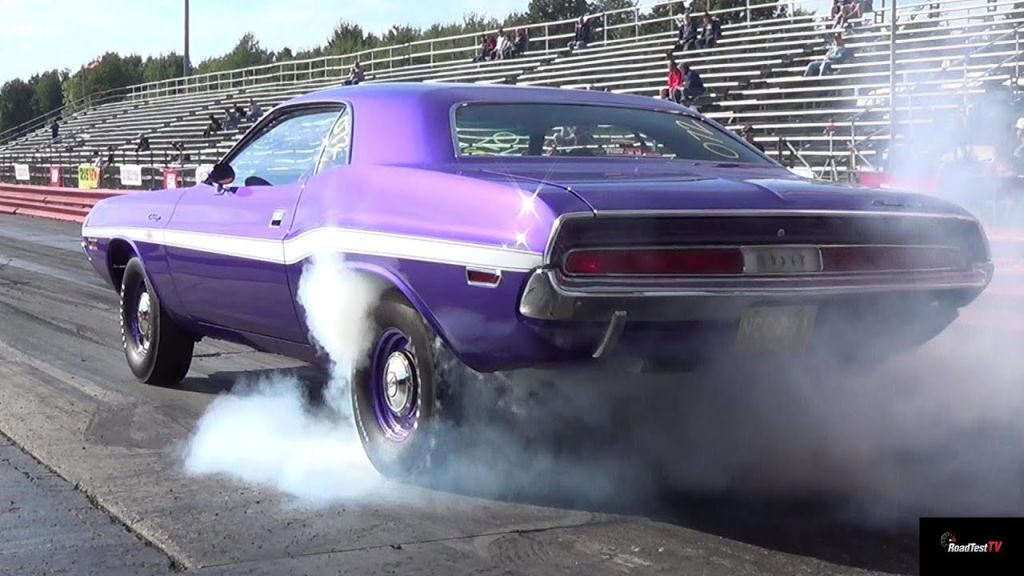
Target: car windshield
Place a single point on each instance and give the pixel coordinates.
(572, 130)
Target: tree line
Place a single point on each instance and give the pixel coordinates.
(43, 93)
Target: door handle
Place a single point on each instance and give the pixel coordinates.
(277, 219)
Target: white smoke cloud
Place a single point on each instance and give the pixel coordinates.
(265, 433)
(268, 433)
(338, 302)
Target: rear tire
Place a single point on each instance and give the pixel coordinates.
(400, 396)
(157, 350)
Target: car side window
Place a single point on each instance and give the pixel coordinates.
(338, 146)
(286, 149)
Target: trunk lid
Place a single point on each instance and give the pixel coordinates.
(651, 185)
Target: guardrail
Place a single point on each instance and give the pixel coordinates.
(54, 203)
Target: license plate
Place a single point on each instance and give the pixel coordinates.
(781, 260)
(777, 328)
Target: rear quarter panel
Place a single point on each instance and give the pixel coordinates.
(481, 324)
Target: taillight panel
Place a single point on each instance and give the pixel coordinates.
(759, 260)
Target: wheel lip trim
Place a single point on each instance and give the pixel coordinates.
(393, 346)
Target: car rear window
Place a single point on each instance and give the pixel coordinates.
(575, 130)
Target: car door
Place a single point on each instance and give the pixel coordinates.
(225, 245)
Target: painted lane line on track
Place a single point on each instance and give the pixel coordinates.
(47, 271)
(87, 387)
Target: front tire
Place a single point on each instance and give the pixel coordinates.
(157, 350)
(399, 396)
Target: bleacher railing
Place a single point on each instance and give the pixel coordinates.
(393, 56)
(617, 25)
(907, 90)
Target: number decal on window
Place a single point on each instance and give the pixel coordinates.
(708, 139)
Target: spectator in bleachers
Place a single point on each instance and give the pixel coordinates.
(837, 54)
(255, 112)
(143, 145)
(693, 85)
(488, 48)
(240, 112)
(356, 76)
(688, 32)
(747, 133)
(664, 94)
(231, 120)
(55, 131)
(853, 9)
(675, 82)
(502, 45)
(179, 147)
(711, 31)
(582, 35)
(213, 127)
(522, 43)
(845, 12)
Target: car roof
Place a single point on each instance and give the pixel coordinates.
(410, 123)
(452, 93)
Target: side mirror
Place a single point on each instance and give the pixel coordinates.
(221, 175)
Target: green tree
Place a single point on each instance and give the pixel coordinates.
(47, 91)
(618, 18)
(15, 103)
(347, 38)
(163, 67)
(400, 34)
(547, 10)
(108, 72)
(246, 53)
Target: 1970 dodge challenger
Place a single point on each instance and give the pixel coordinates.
(519, 227)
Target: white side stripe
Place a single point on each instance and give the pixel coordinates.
(343, 240)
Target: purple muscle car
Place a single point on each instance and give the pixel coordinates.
(522, 227)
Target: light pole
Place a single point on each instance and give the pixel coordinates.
(188, 64)
(892, 83)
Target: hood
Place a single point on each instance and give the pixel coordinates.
(654, 185)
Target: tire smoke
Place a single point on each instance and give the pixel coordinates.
(269, 432)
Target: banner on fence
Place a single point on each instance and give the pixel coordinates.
(21, 172)
(202, 171)
(88, 177)
(170, 179)
(131, 175)
(55, 179)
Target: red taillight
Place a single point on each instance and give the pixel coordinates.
(655, 262)
(840, 259)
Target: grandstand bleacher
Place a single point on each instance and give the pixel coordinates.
(946, 53)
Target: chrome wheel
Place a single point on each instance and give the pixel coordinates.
(395, 385)
(143, 321)
(398, 383)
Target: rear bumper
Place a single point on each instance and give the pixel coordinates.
(551, 296)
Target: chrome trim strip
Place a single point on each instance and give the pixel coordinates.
(544, 298)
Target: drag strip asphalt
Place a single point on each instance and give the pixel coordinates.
(68, 400)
